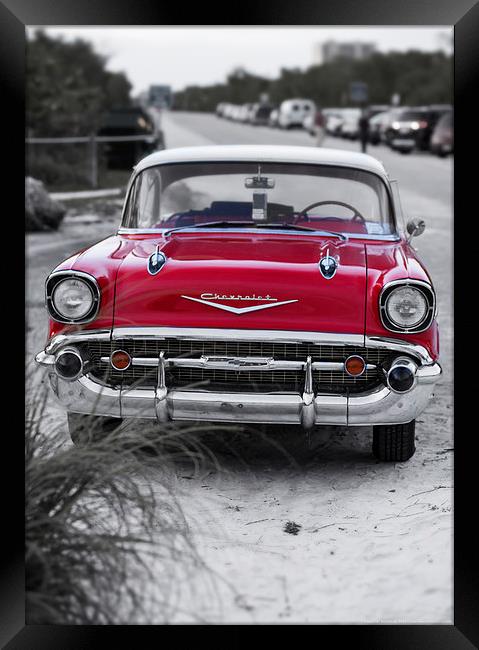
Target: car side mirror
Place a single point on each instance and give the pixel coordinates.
(415, 227)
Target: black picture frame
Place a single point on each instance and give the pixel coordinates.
(464, 16)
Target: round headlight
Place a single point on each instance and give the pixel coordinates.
(72, 298)
(406, 307)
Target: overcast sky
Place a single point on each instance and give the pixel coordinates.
(182, 56)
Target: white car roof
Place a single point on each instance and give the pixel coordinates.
(265, 153)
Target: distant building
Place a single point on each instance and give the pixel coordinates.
(331, 50)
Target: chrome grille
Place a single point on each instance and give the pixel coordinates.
(233, 380)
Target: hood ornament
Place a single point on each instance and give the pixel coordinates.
(156, 261)
(328, 265)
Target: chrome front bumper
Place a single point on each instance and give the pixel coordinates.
(378, 406)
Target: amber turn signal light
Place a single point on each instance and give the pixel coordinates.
(120, 360)
(354, 366)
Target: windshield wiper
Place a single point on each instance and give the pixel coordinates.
(252, 224)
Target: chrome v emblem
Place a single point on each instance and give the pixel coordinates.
(239, 310)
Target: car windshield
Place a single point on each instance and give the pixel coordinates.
(317, 197)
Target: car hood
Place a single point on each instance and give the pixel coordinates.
(240, 280)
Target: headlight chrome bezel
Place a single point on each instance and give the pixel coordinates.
(428, 293)
(52, 282)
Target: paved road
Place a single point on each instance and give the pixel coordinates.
(374, 543)
(421, 175)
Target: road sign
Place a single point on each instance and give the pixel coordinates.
(395, 99)
(358, 92)
(160, 96)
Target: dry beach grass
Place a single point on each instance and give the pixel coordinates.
(106, 542)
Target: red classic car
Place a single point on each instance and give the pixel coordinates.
(252, 284)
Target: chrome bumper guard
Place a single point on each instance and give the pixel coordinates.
(378, 406)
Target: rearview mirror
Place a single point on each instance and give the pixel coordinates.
(415, 227)
(259, 183)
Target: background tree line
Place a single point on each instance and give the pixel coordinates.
(418, 77)
(68, 92)
(69, 88)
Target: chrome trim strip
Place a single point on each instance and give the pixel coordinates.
(148, 231)
(238, 364)
(199, 334)
(428, 374)
(399, 345)
(60, 340)
(278, 336)
(44, 359)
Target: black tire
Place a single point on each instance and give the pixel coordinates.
(394, 442)
(85, 429)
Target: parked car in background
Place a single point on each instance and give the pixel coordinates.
(412, 128)
(273, 118)
(385, 130)
(306, 305)
(250, 113)
(442, 139)
(261, 114)
(220, 108)
(293, 111)
(350, 125)
(376, 124)
(225, 111)
(129, 121)
(243, 112)
(230, 111)
(334, 121)
(236, 112)
(436, 112)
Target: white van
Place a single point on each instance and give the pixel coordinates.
(292, 112)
